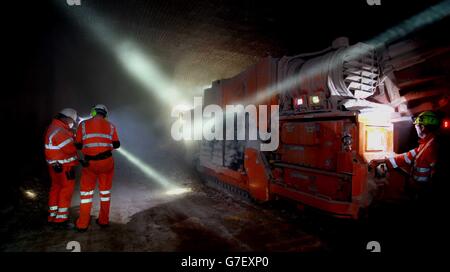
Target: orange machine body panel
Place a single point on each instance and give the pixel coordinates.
(313, 144)
(258, 178)
(322, 157)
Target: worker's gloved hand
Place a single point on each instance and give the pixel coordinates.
(84, 163)
(70, 174)
(79, 146)
(116, 144)
(374, 163)
(57, 167)
(381, 170)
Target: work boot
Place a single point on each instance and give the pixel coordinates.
(79, 230)
(101, 225)
(66, 225)
(52, 225)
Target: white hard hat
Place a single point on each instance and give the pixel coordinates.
(101, 107)
(71, 113)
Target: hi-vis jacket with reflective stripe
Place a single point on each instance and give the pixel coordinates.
(96, 135)
(420, 161)
(59, 144)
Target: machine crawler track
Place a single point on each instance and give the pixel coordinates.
(226, 188)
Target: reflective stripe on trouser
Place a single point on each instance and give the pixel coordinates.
(105, 195)
(421, 174)
(62, 214)
(60, 195)
(86, 196)
(419, 178)
(105, 203)
(102, 171)
(52, 213)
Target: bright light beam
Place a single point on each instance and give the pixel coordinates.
(169, 186)
(148, 171)
(178, 191)
(143, 69)
(416, 22)
(30, 194)
(136, 63)
(146, 71)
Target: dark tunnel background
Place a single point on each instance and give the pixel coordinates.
(52, 62)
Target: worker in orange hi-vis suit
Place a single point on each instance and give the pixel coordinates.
(420, 161)
(61, 156)
(96, 137)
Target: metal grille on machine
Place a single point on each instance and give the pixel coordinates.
(361, 73)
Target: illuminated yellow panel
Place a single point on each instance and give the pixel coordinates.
(376, 139)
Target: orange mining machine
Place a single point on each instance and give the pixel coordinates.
(339, 108)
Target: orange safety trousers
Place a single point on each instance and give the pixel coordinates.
(60, 195)
(103, 171)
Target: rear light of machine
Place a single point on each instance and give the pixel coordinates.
(299, 101)
(376, 139)
(446, 124)
(315, 99)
